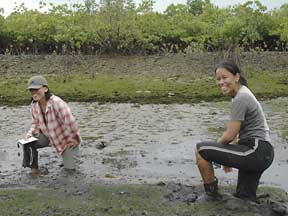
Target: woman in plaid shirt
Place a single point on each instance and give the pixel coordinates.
(53, 124)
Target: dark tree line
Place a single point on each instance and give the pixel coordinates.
(121, 27)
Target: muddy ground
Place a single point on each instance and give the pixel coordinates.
(137, 144)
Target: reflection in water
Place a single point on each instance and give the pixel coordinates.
(142, 143)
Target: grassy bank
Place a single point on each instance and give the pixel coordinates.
(115, 200)
(137, 89)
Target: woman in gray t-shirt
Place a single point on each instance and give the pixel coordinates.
(245, 145)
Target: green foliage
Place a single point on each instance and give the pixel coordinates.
(176, 10)
(281, 18)
(146, 6)
(196, 7)
(121, 26)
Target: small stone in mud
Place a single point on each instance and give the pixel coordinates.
(101, 145)
(79, 193)
(135, 105)
(123, 193)
(191, 198)
(161, 183)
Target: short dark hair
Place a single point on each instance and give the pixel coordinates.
(233, 68)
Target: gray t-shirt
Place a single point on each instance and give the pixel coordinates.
(247, 110)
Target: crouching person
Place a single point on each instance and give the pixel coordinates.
(53, 125)
(245, 145)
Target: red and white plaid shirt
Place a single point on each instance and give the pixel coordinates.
(60, 125)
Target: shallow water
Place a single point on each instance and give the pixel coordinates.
(144, 143)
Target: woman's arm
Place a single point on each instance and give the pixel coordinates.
(66, 118)
(230, 135)
(34, 129)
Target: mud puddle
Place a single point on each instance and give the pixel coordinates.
(136, 144)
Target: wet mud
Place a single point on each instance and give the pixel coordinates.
(137, 144)
(131, 143)
(264, 206)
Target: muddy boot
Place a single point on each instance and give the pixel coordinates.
(39, 171)
(211, 193)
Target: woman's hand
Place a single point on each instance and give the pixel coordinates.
(227, 169)
(230, 135)
(28, 136)
(73, 143)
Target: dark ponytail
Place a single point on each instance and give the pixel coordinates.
(243, 81)
(48, 94)
(232, 67)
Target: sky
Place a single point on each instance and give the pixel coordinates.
(160, 5)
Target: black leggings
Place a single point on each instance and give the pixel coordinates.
(250, 156)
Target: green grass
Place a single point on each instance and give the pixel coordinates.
(100, 200)
(269, 85)
(137, 89)
(113, 200)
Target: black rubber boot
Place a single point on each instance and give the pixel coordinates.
(211, 193)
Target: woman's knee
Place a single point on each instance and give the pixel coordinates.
(198, 145)
(197, 154)
(199, 158)
(200, 154)
(71, 158)
(42, 141)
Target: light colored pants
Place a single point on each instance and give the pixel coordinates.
(70, 156)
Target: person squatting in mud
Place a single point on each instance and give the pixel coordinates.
(245, 145)
(53, 124)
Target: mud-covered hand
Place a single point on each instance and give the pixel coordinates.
(227, 169)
